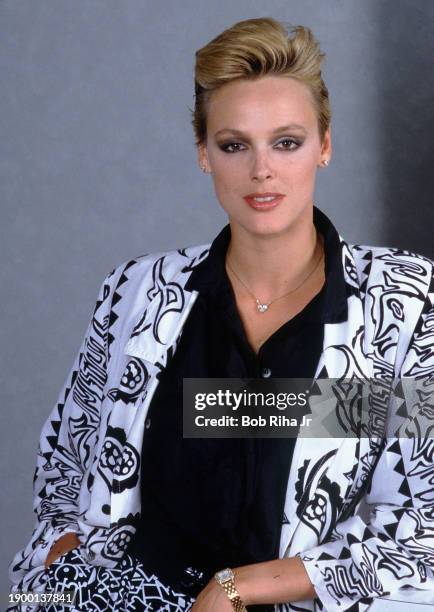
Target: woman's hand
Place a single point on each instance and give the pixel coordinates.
(269, 582)
(63, 545)
(212, 599)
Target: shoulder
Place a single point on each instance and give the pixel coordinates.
(392, 267)
(398, 289)
(388, 254)
(156, 268)
(129, 288)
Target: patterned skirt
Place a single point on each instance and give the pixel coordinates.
(125, 588)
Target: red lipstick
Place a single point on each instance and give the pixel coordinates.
(264, 201)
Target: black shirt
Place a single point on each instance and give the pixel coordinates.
(208, 504)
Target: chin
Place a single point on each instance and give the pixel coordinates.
(266, 226)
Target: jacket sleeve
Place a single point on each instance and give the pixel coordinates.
(65, 447)
(394, 548)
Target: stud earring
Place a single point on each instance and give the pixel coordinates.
(325, 162)
(203, 168)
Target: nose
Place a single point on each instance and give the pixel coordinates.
(261, 169)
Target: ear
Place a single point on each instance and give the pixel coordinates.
(326, 148)
(202, 158)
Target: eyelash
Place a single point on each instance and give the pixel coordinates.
(225, 147)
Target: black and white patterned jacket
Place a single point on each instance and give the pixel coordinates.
(87, 473)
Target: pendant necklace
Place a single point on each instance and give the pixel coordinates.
(263, 307)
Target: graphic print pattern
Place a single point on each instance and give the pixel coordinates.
(86, 478)
(125, 588)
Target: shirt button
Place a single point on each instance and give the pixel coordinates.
(266, 373)
(148, 423)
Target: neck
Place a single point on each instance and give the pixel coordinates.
(271, 265)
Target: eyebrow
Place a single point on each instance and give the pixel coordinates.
(282, 128)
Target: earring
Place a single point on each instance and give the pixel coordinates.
(203, 168)
(325, 162)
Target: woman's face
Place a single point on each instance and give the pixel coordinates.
(262, 137)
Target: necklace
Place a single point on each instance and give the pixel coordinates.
(263, 307)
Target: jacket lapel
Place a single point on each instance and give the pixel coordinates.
(319, 461)
(159, 327)
(147, 351)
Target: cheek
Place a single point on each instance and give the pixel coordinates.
(300, 168)
(227, 175)
(310, 150)
(225, 189)
(228, 188)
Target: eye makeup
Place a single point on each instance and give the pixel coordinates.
(294, 144)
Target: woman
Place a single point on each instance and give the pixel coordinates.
(223, 524)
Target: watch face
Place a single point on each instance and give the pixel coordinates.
(224, 575)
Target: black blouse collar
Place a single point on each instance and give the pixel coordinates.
(210, 276)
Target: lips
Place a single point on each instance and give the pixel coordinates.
(263, 201)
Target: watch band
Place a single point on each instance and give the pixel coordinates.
(226, 579)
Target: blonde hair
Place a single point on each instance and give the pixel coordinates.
(254, 48)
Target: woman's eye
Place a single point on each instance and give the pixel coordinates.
(288, 144)
(231, 147)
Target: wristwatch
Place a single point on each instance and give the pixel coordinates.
(225, 578)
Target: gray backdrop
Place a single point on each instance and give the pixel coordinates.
(98, 165)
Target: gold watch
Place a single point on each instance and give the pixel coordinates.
(225, 578)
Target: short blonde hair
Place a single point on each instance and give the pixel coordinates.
(254, 48)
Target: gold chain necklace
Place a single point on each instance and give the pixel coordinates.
(263, 307)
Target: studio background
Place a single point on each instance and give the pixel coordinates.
(98, 165)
